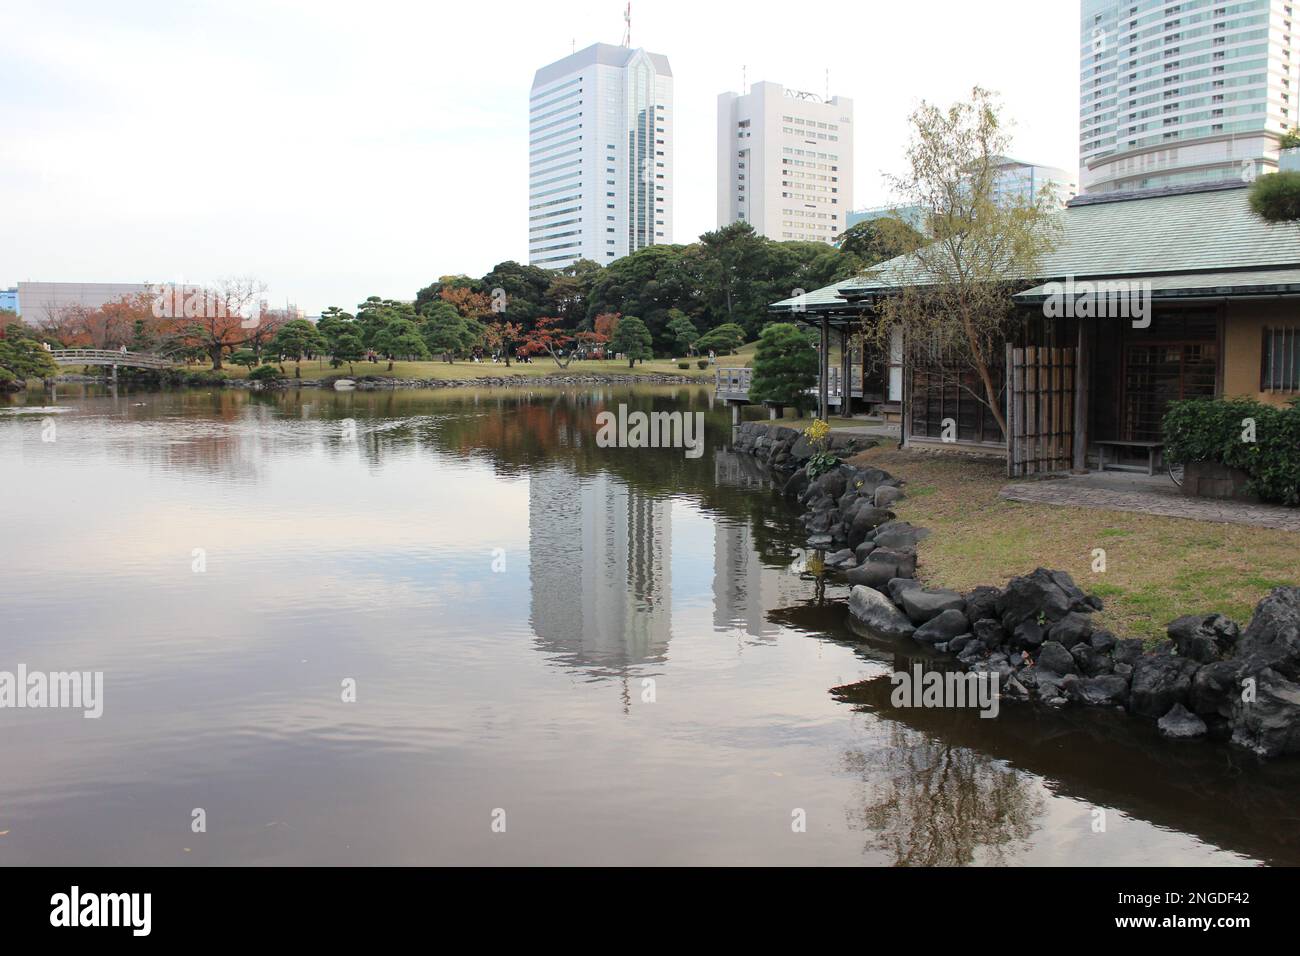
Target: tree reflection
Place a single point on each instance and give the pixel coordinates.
(929, 802)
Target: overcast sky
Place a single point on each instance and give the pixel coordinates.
(339, 150)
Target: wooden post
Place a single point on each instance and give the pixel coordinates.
(824, 373)
(1082, 383)
(846, 374)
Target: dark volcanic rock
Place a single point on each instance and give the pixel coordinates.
(898, 585)
(1273, 636)
(1181, 724)
(982, 604)
(943, 627)
(1071, 629)
(1128, 651)
(877, 614)
(1108, 689)
(989, 631)
(1270, 724)
(1091, 661)
(1103, 641)
(1159, 682)
(1215, 687)
(1054, 657)
(1047, 594)
(922, 604)
(899, 535)
(1204, 639)
(1028, 635)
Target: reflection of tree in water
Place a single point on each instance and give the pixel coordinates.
(930, 803)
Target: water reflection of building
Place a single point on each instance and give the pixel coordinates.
(600, 569)
(743, 588)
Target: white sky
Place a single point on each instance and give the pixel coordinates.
(339, 150)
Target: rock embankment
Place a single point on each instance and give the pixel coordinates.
(1209, 679)
(377, 382)
(786, 449)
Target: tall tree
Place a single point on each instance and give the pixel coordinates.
(632, 339)
(785, 366)
(955, 304)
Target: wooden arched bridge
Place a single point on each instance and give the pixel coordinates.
(112, 357)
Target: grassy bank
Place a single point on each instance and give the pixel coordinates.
(1157, 568)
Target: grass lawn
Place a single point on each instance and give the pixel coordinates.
(1157, 568)
(468, 370)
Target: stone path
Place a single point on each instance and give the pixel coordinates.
(1081, 493)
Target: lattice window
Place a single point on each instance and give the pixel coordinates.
(1281, 366)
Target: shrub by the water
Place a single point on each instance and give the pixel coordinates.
(265, 373)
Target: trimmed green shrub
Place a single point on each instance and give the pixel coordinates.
(1261, 440)
(683, 364)
(1276, 197)
(265, 373)
(702, 363)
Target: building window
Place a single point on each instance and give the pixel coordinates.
(1281, 366)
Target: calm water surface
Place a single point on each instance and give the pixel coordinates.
(616, 648)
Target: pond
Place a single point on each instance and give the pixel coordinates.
(448, 627)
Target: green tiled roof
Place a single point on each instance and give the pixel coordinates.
(1197, 284)
(1162, 235)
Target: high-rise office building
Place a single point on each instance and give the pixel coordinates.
(785, 162)
(600, 162)
(1173, 93)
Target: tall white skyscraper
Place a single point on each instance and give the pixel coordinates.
(1173, 93)
(600, 160)
(785, 162)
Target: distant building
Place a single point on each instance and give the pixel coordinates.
(785, 162)
(42, 300)
(914, 216)
(600, 141)
(1018, 181)
(1174, 95)
(9, 299)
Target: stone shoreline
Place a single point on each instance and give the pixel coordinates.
(376, 383)
(1211, 679)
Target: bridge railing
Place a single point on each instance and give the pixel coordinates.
(109, 357)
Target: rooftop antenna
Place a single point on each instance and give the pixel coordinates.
(627, 25)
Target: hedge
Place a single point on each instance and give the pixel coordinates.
(1219, 430)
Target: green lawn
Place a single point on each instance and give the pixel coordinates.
(1157, 568)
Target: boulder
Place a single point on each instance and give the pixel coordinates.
(1159, 682)
(840, 559)
(1103, 641)
(981, 604)
(866, 520)
(1128, 651)
(923, 604)
(900, 535)
(820, 542)
(1181, 724)
(1105, 690)
(1215, 687)
(898, 585)
(1028, 635)
(900, 564)
(1048, 683)
(1272, 638)
(1054, 657)
(989, 631)
(1072, 629)
(1204, 639)
(1090, 661)
(1269, 725)
(871, 574)
(1049, 595)
(887, 495)
(862, 550)
(876, 614)
(942, 627)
